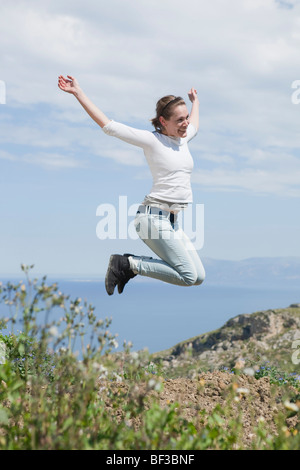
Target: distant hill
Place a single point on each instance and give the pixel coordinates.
(281, 272)
(270, 335)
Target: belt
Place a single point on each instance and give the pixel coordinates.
(157, 211)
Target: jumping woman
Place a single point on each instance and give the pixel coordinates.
(156, 222)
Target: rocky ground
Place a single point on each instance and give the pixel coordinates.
(192, 373)
(243, 398)
(256, 399)
(266, 336)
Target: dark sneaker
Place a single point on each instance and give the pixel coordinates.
(118, 273)
(127, 275)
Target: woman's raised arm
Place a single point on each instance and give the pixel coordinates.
(71, 85)
(194, 115)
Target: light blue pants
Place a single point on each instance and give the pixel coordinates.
(179, 263)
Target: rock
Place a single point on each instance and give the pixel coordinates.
(265, 335)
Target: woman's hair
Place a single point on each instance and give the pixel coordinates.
(164, 108)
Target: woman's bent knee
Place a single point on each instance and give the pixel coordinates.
(199, 282)
(200, 278)
(193, 277)
(189, 278)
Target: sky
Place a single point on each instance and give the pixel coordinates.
(59, 172)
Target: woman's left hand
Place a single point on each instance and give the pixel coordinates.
(192, 94)
(69, 84)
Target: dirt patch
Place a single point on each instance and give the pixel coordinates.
(243, 397)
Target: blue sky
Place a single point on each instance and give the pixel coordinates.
(57, 166)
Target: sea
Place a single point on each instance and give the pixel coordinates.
(155, 316)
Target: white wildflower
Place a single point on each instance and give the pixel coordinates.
(100, 367)
(114, 343)
(103, 371)
(155, 385)
(290, 406)
(53, 331)
(151, 383)
(134, 356)
(117, 377)
(243, 391)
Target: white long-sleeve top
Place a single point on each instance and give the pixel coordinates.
(169, 160)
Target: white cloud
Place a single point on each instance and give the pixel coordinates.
(264, 173)
(241, 55)
(7, 156)
(53, 161)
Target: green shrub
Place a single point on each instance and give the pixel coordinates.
(51, 399)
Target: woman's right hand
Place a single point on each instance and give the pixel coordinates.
(69, 84)
(192, 94)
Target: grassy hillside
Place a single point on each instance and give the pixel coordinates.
(267, 336)
(51, 400)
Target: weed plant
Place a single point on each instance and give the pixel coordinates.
(51, 398)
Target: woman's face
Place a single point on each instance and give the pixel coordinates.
(178, 123)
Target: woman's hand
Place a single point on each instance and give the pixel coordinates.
(69, 84)
(194, 115)
(192, 94)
